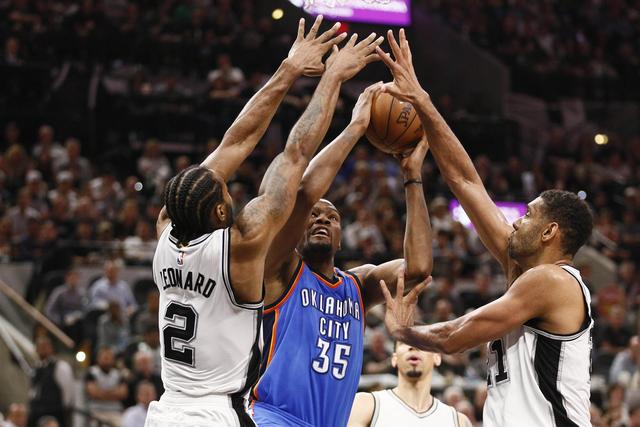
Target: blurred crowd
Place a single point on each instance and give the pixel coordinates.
(555, 47)
(63, 205)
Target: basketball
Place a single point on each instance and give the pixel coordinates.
(394, 127)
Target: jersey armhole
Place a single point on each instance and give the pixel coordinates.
(226, 275)
(287, 291)
(376, 410)
(360, 289)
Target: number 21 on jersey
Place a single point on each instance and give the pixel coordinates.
(497, 373)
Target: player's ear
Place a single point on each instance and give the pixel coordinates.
(550, 231)
(394, 360)
(437, 359)
(221, 212)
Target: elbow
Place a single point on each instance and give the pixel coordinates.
(417, 272)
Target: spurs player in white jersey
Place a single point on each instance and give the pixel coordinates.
(410, 404)
(539, 331)
(209, 264)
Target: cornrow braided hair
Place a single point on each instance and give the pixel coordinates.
(189, 198)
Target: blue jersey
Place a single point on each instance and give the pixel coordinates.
(313, 351)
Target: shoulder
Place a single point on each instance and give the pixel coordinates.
(361, 271)
(543, 278)
(463, 420)
(363, 409)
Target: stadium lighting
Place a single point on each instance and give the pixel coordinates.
(277, 14)
(81, 356)
(601, 139)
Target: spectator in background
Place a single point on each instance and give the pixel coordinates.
(52, 386)
(226, 81)
(150, 343)
(12, 54)
(440, 217)
(48, 421)
(136, 415)
(147, 314)
(15, 165)
(140, 248)
(65, 305)
(38, 191)
(143, 372)
(106, 388)
(153, 167)
(377, 357)
(64, 188)
(127, 219)
(47, 147)
(611, 334)
(626, 364)
(364, 232)
(113, 330)
(73, 162)
(481, 294)
(20, 214)
(111, 288)
(17, 415)
(616, 410)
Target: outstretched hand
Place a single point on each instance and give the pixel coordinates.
(411, 162)
(307, 51)
(353, 57)
(405, 85)
(400, 311)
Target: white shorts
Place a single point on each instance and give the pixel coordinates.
(174, 410)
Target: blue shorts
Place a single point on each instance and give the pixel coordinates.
(265, 415)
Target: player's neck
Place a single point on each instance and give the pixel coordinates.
(322, 265)
(545, 257)
(416, 394)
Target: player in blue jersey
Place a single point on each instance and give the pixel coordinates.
(314, 313)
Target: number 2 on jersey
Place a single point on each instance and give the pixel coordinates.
(176, 334)
(340, 359)
(497, 347)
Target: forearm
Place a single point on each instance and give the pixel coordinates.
(310, 129)
(325, 165)
(417, 235)
(434, 338)
(284, 175)
(452, 159)
(248, 128)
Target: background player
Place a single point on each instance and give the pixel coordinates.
(540, 329)
(410, 403)
(209, 265)
(314, 315)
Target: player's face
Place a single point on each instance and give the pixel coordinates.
(413, 363)
(324, 231)
(525, 240)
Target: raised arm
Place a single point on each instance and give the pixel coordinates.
(315, 183)
(544, 293)
(418, 259)
(451, 157)
(305, 57)
(258, 223)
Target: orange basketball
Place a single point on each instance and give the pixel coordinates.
(394, 127)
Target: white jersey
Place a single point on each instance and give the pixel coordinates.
(391, 411)
(539, 379)
(209, 342)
